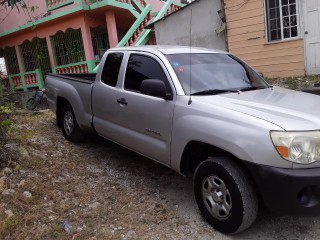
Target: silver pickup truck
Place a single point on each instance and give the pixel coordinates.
(206, 114)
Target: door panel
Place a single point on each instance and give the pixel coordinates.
(145, 125)
(139, 122)
(312, 36)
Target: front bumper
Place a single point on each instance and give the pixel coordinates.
(288, 191)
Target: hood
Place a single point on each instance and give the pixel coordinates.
(290, 110)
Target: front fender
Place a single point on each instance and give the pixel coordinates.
(244, 136)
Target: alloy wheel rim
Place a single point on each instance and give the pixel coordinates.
(216, 197)
(68, 122)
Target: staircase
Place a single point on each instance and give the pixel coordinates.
(137, 34)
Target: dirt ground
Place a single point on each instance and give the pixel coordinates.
(106, 192)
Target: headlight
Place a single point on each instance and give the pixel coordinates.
(298, 147)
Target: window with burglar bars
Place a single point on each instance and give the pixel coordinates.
(68, 47)
(99, 39)
(11, 60)
(35, 55)
(282, 19)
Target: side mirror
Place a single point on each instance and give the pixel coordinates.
(155, 88)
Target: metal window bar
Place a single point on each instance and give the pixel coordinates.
(11, 60)
(68, 47)
(99, 39)
(35, 55)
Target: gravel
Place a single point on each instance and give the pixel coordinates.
(108, 192)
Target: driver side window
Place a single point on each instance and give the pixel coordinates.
(142, 67)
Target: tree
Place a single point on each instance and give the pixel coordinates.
(13, 3)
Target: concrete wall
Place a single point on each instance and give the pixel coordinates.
(175, 29)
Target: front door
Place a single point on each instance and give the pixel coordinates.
(124, 115)
(312, 36)
(146, 121)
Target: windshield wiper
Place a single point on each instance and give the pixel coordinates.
(213, 92)
(252, 88)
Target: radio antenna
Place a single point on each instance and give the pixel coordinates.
(190, 101)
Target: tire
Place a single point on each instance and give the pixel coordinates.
(31, 104)
(44, 102)
(70, 128)
(225, 195)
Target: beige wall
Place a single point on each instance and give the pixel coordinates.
(247, 40)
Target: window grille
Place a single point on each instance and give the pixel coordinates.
(35, 55)
(11, 60)
(68, 47)
(282, 19)
(99, 39)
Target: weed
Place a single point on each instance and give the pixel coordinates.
(9, 225)
(296, 83)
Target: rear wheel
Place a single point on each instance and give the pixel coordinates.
(70, 128)
(44, 102)
(225, 195)
(31, 104)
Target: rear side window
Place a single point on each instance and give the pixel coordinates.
(140, 68)
(111, 69)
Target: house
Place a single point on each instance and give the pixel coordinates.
(280, 38)
(68, 36)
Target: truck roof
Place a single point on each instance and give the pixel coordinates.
(168, 49)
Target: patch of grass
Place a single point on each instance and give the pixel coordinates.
(9, 225)
(295, 83)
(56, 232)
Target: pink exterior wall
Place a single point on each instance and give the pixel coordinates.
(156, 5)
(43, 31)
(11, 17)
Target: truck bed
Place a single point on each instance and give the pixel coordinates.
(88, 78)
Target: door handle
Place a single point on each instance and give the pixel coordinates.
(122, 101)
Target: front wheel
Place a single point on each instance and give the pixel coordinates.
(31, 104)
(225, 195)
(70, 128)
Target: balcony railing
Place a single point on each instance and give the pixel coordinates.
(23, 81)
(54, 4)
(79, 67)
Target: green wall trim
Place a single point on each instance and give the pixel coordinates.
(59, 5)
(138, 5)
(115, 3)
(40, 79)
(135, 25)
(91, 65)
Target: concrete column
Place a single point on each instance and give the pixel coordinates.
(50, 51)
(19, 57)
(87, 42)
(112, 28)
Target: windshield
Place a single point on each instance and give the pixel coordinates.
(214, 73)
